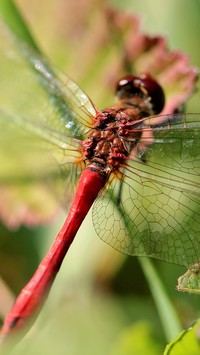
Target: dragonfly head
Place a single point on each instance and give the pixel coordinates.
(144, 86)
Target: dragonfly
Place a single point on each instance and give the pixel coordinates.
(137, 169)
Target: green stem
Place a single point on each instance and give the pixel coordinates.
(16, 23)
(170, 322)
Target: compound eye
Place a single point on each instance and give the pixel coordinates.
(144, 86)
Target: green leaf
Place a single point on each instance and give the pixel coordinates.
(187, 342)
(138, 339)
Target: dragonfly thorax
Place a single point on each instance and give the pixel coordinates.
(114, 136)
(117, 130)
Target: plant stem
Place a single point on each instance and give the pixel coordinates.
(16, 23)
(170, 322)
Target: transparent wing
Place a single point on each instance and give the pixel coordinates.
(44, 116)
(155, 209)
(35, 94)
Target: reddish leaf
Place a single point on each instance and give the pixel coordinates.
(118, 47)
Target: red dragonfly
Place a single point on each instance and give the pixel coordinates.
(140, 169)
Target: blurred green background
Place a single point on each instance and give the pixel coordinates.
(100, 302)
